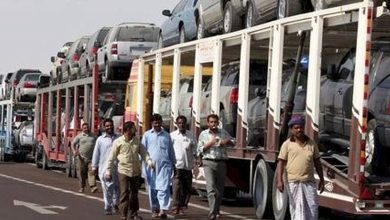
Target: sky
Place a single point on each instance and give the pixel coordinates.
(34, 30)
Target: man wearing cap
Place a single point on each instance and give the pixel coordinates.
(300, 155)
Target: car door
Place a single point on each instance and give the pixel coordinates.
(336, 96)
(211, 11)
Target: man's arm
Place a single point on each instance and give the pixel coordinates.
(280, 170)
(73, 145)
(95, 157)
(318, 166)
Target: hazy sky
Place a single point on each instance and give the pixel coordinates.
(34, 30)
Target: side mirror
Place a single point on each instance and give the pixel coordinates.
(61, 55)
(166, 13)
(52, 59)
(331, 71)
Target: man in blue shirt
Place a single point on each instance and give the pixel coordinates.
(158, 143)
(100, 156)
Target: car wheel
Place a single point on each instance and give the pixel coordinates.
(280, 200)
(182, 35)
(200, 31)
(318, 4)
(288, 8)
(262, 189)
(160, 43)
(230, 20)
(373, 164)
(88, 71)
(249, 16)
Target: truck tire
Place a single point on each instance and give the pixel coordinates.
(44, 161)
(262, 189)
(74, 167)
(288, 8)
(280, 200)
(231, 22)
(68, 166)
(38, 163)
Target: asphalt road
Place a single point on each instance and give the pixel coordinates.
(29, 193)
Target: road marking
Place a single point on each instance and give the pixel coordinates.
(38, 208)
(206, 208)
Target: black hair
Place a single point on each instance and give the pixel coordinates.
(156, 117)
(212, 116)
(182, 117)
(128, 125)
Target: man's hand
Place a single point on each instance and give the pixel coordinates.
(321, 185)
(107, 176)
(280, 185)
(150, 164)
(94, 171)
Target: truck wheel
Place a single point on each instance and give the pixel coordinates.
(249, 16)
(44, 161)
(68, 166)
(74, 167)
(280, 200)
(230, 20)
(38, 164)
(288, 8)
(262, 189)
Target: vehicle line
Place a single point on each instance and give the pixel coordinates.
(227, 214)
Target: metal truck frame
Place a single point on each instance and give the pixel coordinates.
(252, 170)
(55, 106)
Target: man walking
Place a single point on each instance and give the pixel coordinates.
(212, 146)
(159, 146)
(299, 155)
(126, 150)
(184, 144)
(82, 147)
(100, 155)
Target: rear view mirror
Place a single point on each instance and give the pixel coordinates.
(61, 55)
(166, 13)
(52, 59)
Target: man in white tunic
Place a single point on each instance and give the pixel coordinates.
(184, 144)
(300, 155)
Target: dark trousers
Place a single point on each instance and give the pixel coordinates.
(84, 168)
(182, 184)
(129, 195)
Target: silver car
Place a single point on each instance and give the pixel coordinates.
(124, 43)
(322, 4)
(70, 68)
(181, 24)
(88, 57)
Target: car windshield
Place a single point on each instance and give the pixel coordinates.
(138, 34)
(31, 77)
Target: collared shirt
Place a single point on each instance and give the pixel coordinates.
(214, 152)
(127, 153)
(300, 159)
(101, 152)
(85, 143)
(185, 149)
(160, 149)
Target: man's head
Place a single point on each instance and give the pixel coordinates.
(181, 122)
(85, 128)
(129, 129)
(213, 122)
(108, 126)
(297, 126)
(156, 121)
